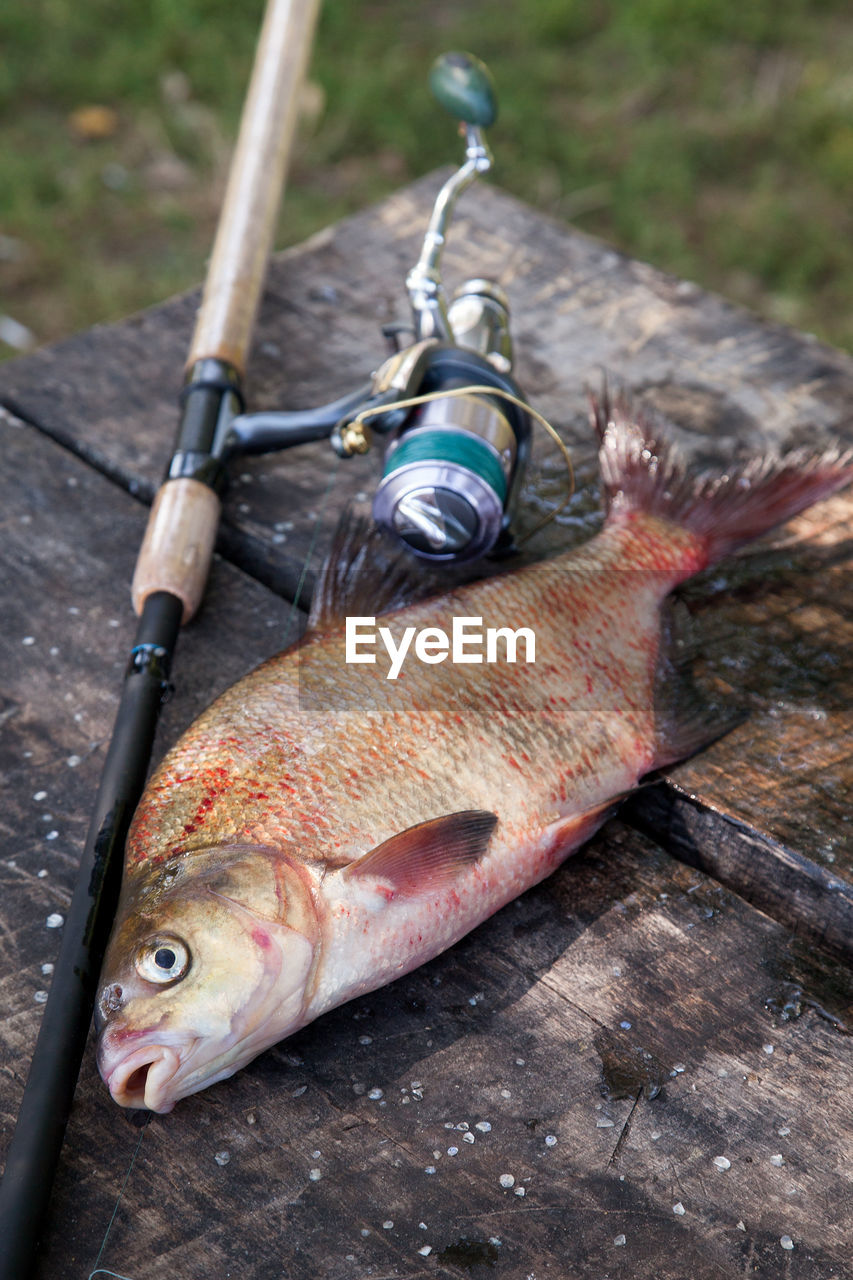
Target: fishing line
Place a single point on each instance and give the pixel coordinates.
(475, 389)
(101, 1272)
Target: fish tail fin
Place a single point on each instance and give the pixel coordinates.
(642, 472)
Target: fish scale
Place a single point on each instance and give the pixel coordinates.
(322, 829)
(495, 706)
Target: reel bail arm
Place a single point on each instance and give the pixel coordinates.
(462, 84)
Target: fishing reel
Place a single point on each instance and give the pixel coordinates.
(456, 423)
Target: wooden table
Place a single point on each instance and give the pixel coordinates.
(641, 1068)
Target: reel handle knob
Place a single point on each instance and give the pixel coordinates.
(463, 85)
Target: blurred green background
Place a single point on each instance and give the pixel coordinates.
(713, 138)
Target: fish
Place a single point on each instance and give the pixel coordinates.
(322, 829)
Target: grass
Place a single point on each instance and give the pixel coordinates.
(711, 137)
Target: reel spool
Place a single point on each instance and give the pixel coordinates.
(445, 481)
(453, 468)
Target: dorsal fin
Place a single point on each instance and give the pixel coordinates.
(428, 856)
(368, 572)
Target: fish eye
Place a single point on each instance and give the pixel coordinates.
(162, 960)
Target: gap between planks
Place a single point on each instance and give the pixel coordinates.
(242, 550)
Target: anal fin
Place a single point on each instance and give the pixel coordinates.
(685, 721)
(574, 827)
(428, 856)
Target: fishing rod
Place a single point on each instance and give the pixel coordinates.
(168, 585)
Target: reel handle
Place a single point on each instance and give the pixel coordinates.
(463, 85)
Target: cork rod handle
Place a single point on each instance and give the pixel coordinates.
(178, 545)
(247, 222)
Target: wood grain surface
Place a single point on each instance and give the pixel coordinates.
(608, 1042)
(637, 1011)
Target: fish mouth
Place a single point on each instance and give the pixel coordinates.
(142, 1078)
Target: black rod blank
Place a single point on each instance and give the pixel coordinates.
(46, 1104)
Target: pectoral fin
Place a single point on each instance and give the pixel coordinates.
(428, 856)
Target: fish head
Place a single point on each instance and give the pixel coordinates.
(209, 963)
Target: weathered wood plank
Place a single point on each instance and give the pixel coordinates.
(552, 1028)
(767, 808)
(66, 627)
(538, 983)
(775, 625)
